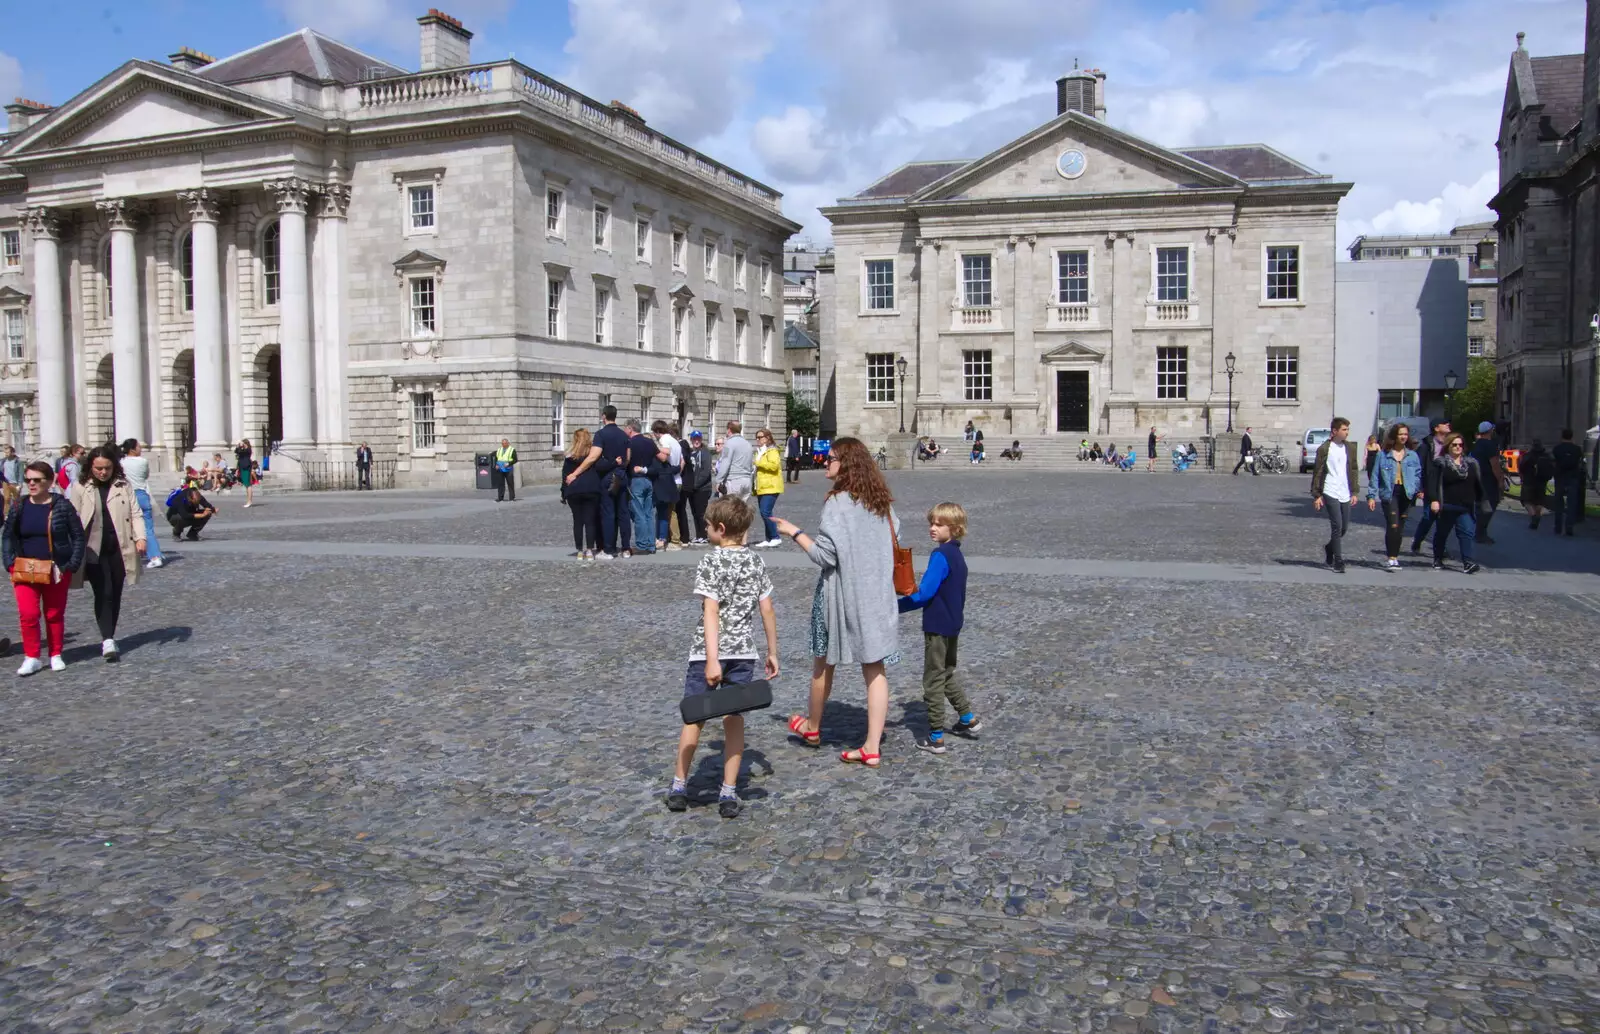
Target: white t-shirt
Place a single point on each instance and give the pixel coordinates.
(137, 470)
(1336, 484)
(674, 457)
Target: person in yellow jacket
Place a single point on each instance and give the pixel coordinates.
(769, 485)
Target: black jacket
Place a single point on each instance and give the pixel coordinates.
(183, 509)
(1445, 487)
(66, 534)
(699, 466)
(1245, 445)
(363, 457)
(587, 483)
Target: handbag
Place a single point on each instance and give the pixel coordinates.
(30, 571)
(905, 576)
(727, 698)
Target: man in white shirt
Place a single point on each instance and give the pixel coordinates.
(137, 470)
(674, 449)
(1333, 485)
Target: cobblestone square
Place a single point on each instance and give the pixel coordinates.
(394, 762)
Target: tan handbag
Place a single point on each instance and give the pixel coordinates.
(28, 571)
(905, 576)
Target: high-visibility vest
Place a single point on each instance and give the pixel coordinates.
(506, 455)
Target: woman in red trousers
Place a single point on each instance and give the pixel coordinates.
(43, 526)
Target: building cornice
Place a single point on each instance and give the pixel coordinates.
(200, 142)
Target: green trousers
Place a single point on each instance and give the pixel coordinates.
(939, 679)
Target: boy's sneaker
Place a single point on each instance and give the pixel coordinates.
(677, 800)
(968, 729)
(1472, 568)
(930, 744)
(729, 807)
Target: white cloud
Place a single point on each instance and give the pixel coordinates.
(1173, 117)
(1457, 203)
(10, 77)
(391, 22)
(790, 144)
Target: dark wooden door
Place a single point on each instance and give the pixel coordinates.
(1072, 401)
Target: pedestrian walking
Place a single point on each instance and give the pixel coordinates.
(580, 491)
(1536, 468)
(1430, 451)
(699, 472)
(768, 486)
(1151, 444)
(113, 540)
(1373, 447)
(732, 586)
(11, 474)
(244, 455)
(43, 547)
(942, 598)
(505, 471)
(792, 452)
(189, 514)
(136, 469)
(612, 466)
(736, 464)
(853, 610)
(1568, 460)
(1333, 485)
(643, 466)
(1395, 482)
(1247, 454)
(1455, 496)
(664, 485)
(1491, 467)
(363, 467)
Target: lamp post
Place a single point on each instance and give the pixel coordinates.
(1228, 361)
(900, 365)
(1450, 381)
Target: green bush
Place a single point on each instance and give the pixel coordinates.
(1474, 403)
(801, 416)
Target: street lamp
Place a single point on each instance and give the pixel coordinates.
(1228, 361)
(900, 365)
(1450, 380)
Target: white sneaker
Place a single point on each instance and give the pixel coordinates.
(30, 665)
(57, 664)
(247, 506)
(108, 650)
(774, 543)
(154, 563)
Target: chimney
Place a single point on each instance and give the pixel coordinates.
(1083, 91)
(23, 113)
(189, 59)
(445, 44)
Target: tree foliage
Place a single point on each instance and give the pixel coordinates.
(1474, 402)
(801, 416)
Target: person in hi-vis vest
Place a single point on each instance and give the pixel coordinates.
(505, 471)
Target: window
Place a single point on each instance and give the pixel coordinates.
(1283, 374)
(804, 383)
(644, 411)
(738, 269)
(740, 324)
(270, 264)
(552, 310)
(880, 376)
(186, 272)
(1283, 274)
(679, 245)
(605, 400)
(766, 341)
(739, 416)
(558, 420)
(1475, 347)
(424, 317)
(1393, 403)
(421, 207)
(602, 309)
(13, 332)
(10, 249)
(602, 226)
(1172, 371)
(1475, 310)
(641, 240)
(976, 282)
(17, 423)
(422, 436)
(711, 261)
(1072, 278)
(644, 322)
(880, 284)
(977, 375)
(766, 278)
(1172, 278)
(680, 319)
(766, 415)
(711, 333)
(555, 206)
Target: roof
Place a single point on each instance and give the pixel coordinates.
(306, 53)
(794, 337)
(910, 178)
(1559, 81)
(1252, 162)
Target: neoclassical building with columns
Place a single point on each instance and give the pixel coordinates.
(306, 245)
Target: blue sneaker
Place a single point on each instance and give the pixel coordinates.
(969, 727)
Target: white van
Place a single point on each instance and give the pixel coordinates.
(1309, 441)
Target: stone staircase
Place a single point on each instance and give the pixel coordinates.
(1044, 452)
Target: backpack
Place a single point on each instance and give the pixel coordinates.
(63, 482)
(173, 495)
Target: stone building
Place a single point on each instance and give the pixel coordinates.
(1477, 244)
(1549, 228)
(1081, 280)
(305, 244)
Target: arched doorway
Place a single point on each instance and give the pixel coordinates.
(102, 415)
(269, 380)
(183, 397)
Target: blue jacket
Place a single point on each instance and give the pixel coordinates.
(1381, 482)
(942, 596)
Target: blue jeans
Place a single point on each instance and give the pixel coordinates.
(643, 495)
(1465, 525)
(766, 503)
(664, 520)
(152, 544)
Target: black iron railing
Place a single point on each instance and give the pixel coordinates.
(325, 476)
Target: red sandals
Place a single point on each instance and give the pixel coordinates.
(797, 726)
(857, 756)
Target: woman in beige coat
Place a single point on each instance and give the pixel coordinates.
(114, 539)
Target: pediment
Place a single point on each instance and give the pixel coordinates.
(1072, 350)
(142, 102)
(1112, 162)
(418, 261)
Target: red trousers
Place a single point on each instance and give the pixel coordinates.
(54, 598)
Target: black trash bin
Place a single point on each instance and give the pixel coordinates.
(483, 463)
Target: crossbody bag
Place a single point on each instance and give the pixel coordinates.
(30, 571)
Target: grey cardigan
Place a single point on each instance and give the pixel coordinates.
(854, 550)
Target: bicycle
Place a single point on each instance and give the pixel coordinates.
(1271, 460)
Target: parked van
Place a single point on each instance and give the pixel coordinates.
(1309, 441)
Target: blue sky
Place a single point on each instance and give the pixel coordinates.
(821, 98)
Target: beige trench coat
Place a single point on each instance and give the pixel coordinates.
(125, 518)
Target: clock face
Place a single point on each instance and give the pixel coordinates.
(1071, 164)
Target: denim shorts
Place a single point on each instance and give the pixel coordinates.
(737, 670)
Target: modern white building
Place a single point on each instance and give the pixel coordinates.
(306, 244)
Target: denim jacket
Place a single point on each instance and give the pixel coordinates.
(1380, 485)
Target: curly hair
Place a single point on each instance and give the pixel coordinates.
(1391, 441)
(859, 477)
(105, 452)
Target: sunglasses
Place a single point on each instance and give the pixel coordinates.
(36, 481)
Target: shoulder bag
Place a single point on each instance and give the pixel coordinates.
(905, 576)
(30, 571)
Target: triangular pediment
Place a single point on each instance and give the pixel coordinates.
(1072, 350)
(1075, 154)
(418, 261)
(139, 102)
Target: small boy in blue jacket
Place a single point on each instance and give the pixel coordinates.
(942, 598)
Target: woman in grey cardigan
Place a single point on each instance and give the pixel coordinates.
(854, 613)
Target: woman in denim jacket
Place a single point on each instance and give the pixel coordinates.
(1396, 482)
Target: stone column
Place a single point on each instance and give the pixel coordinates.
(294, 314)
(1222, 319)
(928, 327)
(1024, 361)
(49, 329)
(210, 391)
(128, 364)
(332, 209)
(1126, 310)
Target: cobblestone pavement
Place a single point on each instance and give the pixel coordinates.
(405, 793)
